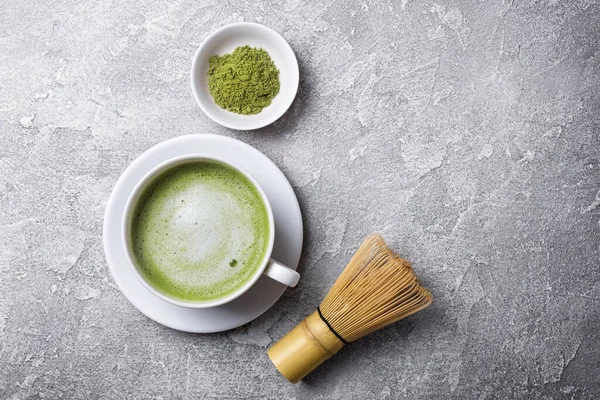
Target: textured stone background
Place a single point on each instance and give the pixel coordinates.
(467, 133)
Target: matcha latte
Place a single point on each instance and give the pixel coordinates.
(199, 231)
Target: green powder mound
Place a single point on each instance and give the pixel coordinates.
(244, 81)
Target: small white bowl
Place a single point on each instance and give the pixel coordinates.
(224, 41)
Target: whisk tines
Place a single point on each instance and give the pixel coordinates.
(377, 288)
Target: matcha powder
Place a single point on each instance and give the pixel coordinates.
(244, 81)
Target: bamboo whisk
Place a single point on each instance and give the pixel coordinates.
(377, 288)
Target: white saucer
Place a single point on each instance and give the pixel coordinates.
(224, 41)
(288, 235)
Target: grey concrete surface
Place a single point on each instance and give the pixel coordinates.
(467, 133)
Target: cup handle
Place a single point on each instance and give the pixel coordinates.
(281, 273)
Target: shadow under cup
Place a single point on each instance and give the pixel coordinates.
(198, 231)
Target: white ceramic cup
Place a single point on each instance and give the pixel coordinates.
(268, 266)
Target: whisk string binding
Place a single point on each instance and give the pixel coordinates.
(331, 327)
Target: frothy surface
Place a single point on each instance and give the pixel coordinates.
(199, 231)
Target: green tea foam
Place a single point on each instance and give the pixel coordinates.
(199, 231)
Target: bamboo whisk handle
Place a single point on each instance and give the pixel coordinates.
(304, 348)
